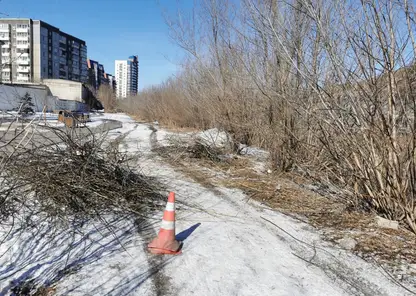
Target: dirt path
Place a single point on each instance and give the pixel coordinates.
(145, 228)
(231, 245)
(289, 250)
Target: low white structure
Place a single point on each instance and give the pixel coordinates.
(10, 96)
(66, 89)
(55, 95)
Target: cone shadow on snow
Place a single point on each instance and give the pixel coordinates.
(186, 233)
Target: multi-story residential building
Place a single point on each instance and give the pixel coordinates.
(96, 74)
(1, 64)
(35, 50)
(121, 78)
(127, 77)
(111, 81)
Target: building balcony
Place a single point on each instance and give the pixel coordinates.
(22, 79)
(23, 62)
(4, 37)
(22, 38)
(27, 45)
(6, 45)
(5, 54)
(5, 30)
(22, 30)
(23, 54)
(23, 70)
(6, 69)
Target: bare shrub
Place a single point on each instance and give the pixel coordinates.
(167, 104)
(107, 97)
(326, 86)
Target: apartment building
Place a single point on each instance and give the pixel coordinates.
(34, 50)
(127, 76)
(111, 81)
(96, 74)
(1, 65)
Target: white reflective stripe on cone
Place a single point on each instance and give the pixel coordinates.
(170, 206)
(168, 225)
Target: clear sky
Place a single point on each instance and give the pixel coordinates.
(113, 29)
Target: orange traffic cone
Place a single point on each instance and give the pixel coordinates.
(165, 242)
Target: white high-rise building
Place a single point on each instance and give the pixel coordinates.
(127, 77)
(121, 78)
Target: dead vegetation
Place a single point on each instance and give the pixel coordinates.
(107, 97)
(74, 176)
(65, 184)
(298, 197)
(326, 87)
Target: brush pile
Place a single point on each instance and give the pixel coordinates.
(73, 177)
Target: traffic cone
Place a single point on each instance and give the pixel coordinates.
(165, 242)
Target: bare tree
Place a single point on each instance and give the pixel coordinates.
(107, 97)
(326, 86)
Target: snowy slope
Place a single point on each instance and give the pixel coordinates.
(231, 250)
(230, 247)
(234, 251)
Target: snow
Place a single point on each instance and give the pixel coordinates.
(213, 137)
(229, 247)
(48, 254)
(51, 120)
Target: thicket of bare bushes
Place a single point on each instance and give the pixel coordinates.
(326, 86)
(107, 97)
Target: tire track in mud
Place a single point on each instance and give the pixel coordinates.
(147, 232)
(321, 258)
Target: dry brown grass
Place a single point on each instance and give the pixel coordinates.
(323, 96)
(285, 193)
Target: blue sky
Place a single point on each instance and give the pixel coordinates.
(113, 29)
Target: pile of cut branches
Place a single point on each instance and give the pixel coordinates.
(75, 176)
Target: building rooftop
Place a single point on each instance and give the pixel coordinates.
(14, 18)
(45, 24)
